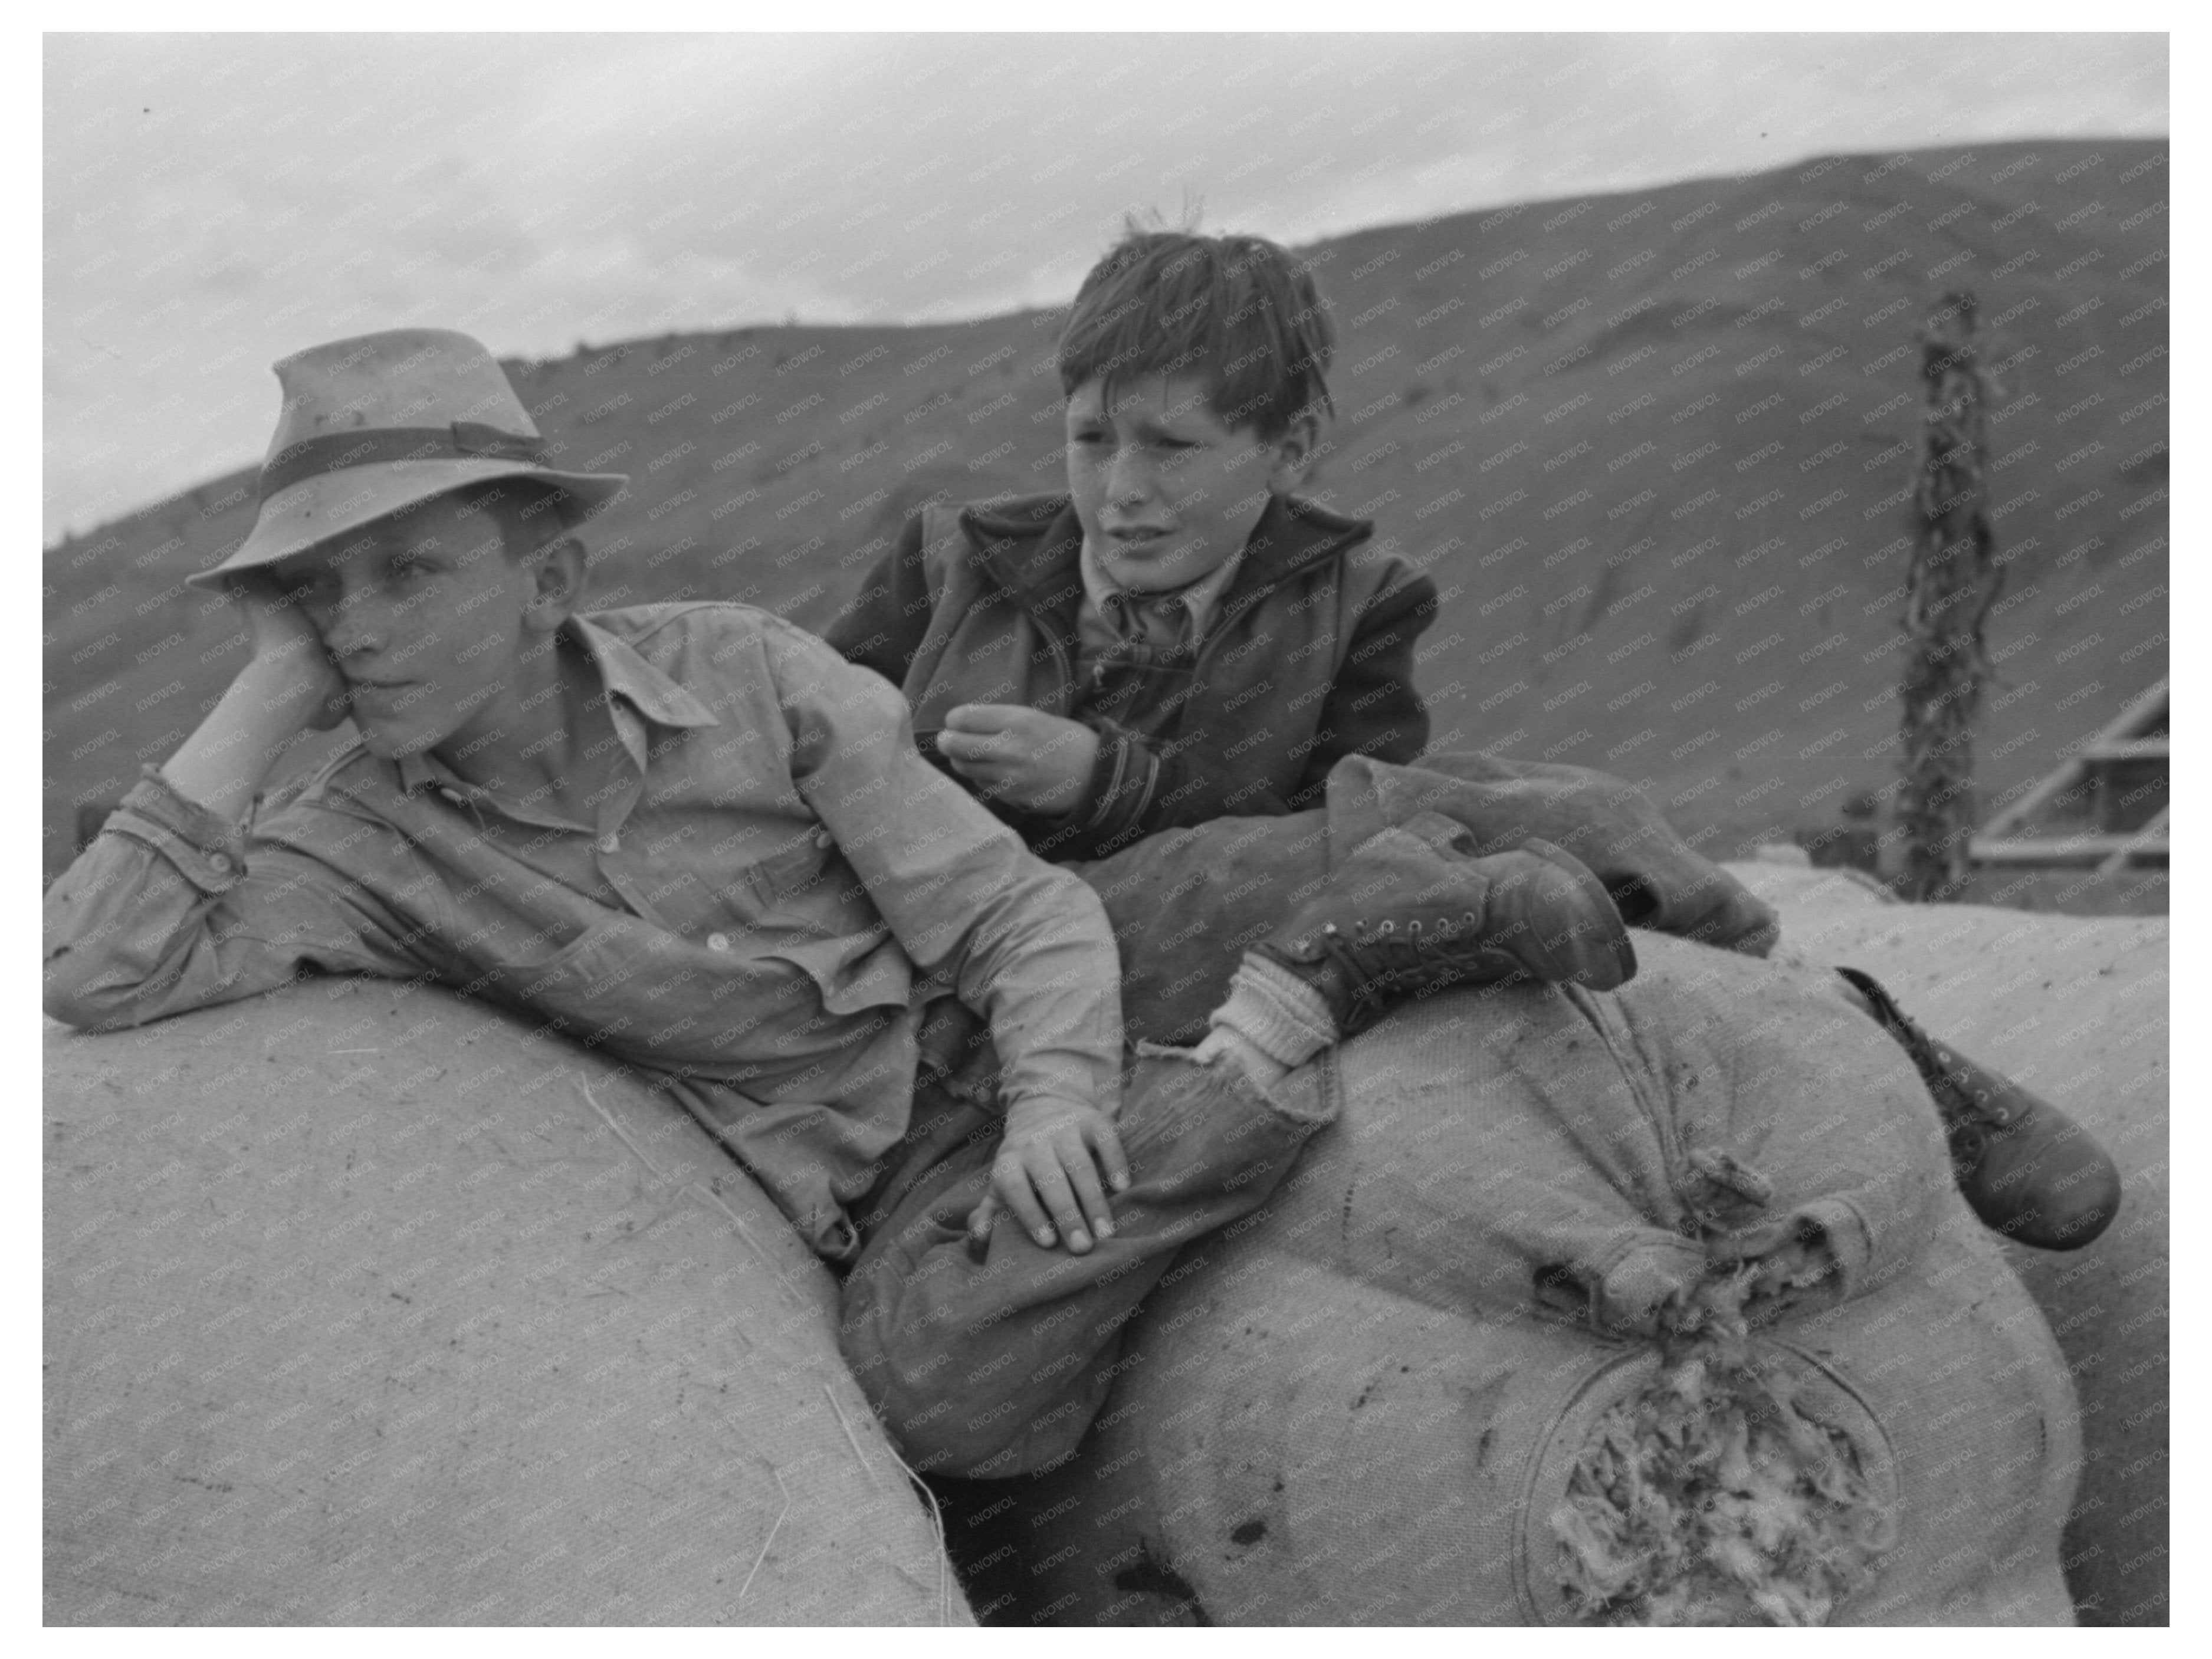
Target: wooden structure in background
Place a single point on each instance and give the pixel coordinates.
(2118, 783)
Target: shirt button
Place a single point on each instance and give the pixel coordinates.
(219, 862)
(718, 941)
(610, 843)
(825, 840)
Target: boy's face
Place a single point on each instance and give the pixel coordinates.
(1165, 491)
(423, 615)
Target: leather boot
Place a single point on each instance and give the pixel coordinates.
(1413, 911)
(2027, 1169)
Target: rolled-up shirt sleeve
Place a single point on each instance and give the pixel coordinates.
(1027, 945)
(170, 909)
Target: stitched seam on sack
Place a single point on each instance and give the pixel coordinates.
(1612, 1031)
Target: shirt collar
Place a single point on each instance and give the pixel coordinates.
(627, 674)
(1201, 597)
(623, 673)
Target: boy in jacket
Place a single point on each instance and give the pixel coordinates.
(694, 836)
(1181, 638)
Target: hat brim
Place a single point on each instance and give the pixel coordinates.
(306, 514)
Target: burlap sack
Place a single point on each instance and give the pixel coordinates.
(1370, 1405)
(363, 1305)
(2077, 1008)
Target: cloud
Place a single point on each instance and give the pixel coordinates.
(215, 201)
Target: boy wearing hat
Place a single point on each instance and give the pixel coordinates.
(694, 835)
(1180, 635)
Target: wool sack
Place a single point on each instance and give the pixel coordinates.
(2075, 1007)
(1653, 1306)
(366, 1305)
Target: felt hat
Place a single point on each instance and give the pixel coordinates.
(380, 422)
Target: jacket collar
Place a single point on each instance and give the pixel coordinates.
(623, 673)
(1033, 547)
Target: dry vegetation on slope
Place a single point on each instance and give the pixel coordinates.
(1657, 449)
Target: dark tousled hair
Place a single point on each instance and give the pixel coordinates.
(1237, 310)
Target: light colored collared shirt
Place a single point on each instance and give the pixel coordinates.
(774, 891)
(1112, 614)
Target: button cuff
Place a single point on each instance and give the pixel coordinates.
(207, 850)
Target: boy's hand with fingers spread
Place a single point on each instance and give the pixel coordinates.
(1057, 1160)
(1033, 760)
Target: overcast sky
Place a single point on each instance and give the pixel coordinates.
(215, 202)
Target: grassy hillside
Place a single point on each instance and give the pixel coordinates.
(1656, 448)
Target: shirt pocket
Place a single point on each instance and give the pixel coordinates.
(803, 905)
(792, 893)
(799, 887)
(806, 895)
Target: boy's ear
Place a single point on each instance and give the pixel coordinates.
(1292, 456)
(558, 573)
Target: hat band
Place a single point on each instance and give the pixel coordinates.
(334, 452)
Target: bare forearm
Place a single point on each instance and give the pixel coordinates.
(223, 763)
